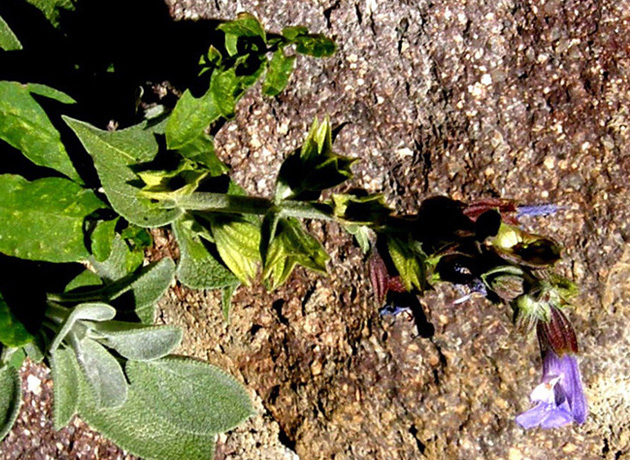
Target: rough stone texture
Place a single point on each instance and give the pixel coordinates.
(520, 99)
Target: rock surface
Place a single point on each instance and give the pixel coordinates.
(517, 99)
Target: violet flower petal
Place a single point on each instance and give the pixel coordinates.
(560, 397)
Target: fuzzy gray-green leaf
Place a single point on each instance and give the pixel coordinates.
(192, 395)
(43, 219)
(136, 427)
(10, 398)
(26, 127)
(113, 154)
(103, 373)
(65, 386)
(90, 311)
(138, 342)
(149, 287)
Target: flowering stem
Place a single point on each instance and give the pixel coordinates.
(236, 204)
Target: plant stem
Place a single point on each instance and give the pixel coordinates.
(235, 204)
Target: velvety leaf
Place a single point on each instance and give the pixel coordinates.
(316, 45)
(137, 428)
(189, 119)
(113, 153)
(52, 8)
(84, 279)
(102, 372)
(291, 246)
(150, 285)
(90, 311)
(238, 243)
(8, 40)
(43, 219)
(121, 261)
(10, 398)
(102, 238)
(26, 126)
(147, 286)
(278, 73)
(201, 150)
(198, 268)
(136, 341)
(65, 386)
(191, 395)
(245, 25)
(12, 331)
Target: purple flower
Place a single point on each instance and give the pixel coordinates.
(560, 396)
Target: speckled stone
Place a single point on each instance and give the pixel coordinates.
(518, 99)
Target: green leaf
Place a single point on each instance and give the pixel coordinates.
(292, 32)
(16, 357)
(84, 279)
(12, 331)
(292, 246)
(26, 126)
(357, 209)
(65, 386)
(50, 93)
(225, 89)
(361, 234)
(136, 341)
(238, 243)
(150, 285)
(121, 261)
(43, 219)
(102, 239)
(278, 73)
(315, 167)
(137, 428)
(52, 9)
(191, 395)
(190, 118)
(10, 398)
(91, 311)
(245, 25)
(147, 286)
(113, 153)
(316, 45)
(201, 150)
(35, 349)
(103, 373)
(226, 301)
(8, 40)
(408, 263)
(198, 268)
